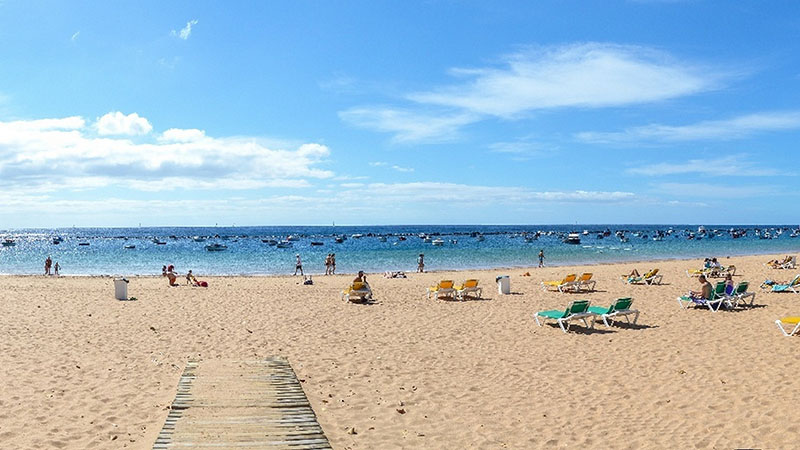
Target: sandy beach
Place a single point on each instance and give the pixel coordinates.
(80, 369)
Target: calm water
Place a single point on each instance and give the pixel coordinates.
(503, 246)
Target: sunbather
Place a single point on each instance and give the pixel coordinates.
(705, 289)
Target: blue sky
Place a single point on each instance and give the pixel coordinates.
(379, 112)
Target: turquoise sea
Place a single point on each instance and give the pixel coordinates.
(373, 248)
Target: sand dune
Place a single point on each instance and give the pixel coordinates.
(82, 370)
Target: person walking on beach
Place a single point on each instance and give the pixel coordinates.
(541, 258)
(328, 264)
(47, 264)
(56, 268)
(333, 263)
(421, 263)
(298, 265)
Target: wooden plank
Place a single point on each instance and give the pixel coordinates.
(241, 404)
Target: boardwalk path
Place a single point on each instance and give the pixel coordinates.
(241, 404)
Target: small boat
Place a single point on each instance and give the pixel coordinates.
(357, 236)
(317, 243)
(199, 239)
(437, 242)
(401, 238)
(83, 243)
(292, 238)
(9, 243)
(57, 240)
(338, 240)
(481, 238)
(129, 247)
(382, 238)
(427, 240)
(216, 247)
(284, 244)
(573, 238)
(158, 241)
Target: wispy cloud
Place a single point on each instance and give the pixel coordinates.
(589, 75)
(402, 169)
(407, 125)
(68, 154)
(727, 129)
(586, 75)
(75, 36)
(186, 31)
(728, 166)
(705, 191)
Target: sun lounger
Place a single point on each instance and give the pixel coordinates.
(577, 310)
(697, 272)
(621, 307)
(443, 290)
(795, 320)
(585, 282)
(561, 285)
(790, 264)
(793, 286)
(652, 277)
(358, 291)
(718, 298)
(468, 289)
(740, 294)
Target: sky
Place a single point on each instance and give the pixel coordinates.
(398, 112)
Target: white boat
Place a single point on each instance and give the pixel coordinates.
(284, 244)
(573, 238)
(357, 236)
(158, 241)
(437, 242)
(199, 239)
(216, 247)
(292, 238)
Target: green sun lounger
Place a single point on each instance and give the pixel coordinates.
(577, 310)
(621, 307)
(718, 298)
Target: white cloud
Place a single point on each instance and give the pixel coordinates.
(116, 123)
(706, 191)
(182, 135)
(402, 169)
(728, 129)
(378, 164)
(408, 125)
(586, 75)
(185, 31)
(49, 155)
(733, 165)
(583, 75)
(75, 36)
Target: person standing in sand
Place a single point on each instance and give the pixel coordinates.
(328, 264)
(56, 268)
(333, 263)
(298, 265)
(421, 263)
(541, 258)
(47, 264)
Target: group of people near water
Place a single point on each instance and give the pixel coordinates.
(172, 276)
(48, 266)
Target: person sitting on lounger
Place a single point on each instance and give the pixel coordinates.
(190, 279)
(172, 278)
(360, 278)
(705, 289)
(634, 274)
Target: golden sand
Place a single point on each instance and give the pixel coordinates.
(79, 369)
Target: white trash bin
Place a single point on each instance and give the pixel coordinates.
(503, 284)
(121, 288)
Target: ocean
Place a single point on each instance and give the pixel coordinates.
(373, 248)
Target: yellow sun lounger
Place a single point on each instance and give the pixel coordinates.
(444, 290)
(467, 289)
(358, 291)
(561, 285)
(794, 320)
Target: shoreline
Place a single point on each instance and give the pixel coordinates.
(481, 269)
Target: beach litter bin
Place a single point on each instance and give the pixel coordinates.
(121, 288)
(503, 284)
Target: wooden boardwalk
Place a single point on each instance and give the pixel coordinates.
(255, 404)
